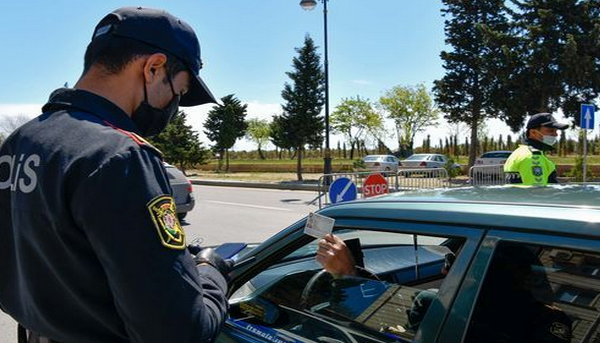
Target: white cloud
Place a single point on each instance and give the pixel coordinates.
(28, 110)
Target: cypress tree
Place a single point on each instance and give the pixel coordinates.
(466, 92)
(301, 122)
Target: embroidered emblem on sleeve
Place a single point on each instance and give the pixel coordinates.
(164, 216)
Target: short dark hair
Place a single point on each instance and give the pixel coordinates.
(115, 53)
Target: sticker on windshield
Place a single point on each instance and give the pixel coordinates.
(318, 225)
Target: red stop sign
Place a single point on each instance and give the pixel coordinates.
(375, 184)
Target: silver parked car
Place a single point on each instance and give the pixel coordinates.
(425, 161)
(384, 163)
(428, 161)
(182, 191)
(493, 158)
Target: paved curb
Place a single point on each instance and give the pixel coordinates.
(266, 185)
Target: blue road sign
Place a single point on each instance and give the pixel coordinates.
(587, 116)
(342, 189)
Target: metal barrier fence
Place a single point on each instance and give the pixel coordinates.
(487, 175)
(404, 179)
(411, 179)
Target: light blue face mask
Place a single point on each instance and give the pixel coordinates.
(549, 140)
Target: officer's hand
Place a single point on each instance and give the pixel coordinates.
(209, 256)
(195, 246)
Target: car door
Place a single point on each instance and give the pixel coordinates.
(275, 298)
(529, 287)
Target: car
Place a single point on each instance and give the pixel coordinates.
(489, 168)
(427, 161)
(381, 163)
(182, 190)
(493, 158)
(527, 262)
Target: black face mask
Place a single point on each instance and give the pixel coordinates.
(150, 120)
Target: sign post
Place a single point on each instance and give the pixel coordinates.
(586, 123)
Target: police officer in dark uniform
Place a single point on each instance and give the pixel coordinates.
(90, 246)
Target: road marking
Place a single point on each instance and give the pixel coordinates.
(246, 205)
(259, 189)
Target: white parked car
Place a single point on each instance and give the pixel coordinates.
(384, 163)
(425, 161)
(493, 158)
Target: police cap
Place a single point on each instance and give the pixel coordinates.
(166, 32)
(546, 120)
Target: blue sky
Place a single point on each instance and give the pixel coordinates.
(247, 46)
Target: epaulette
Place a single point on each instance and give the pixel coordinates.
(139, 140)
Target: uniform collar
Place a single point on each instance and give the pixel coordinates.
(539, 145)
(69, 98)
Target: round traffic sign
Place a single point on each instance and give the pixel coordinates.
(342, 189)
(375, 184)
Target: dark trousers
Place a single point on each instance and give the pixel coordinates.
(27, 336)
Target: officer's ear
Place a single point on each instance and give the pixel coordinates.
(152, 66)
(535, 134)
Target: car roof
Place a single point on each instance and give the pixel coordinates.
(567, 209)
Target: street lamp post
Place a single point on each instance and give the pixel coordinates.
(309, 5)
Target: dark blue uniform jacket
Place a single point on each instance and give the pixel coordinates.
(81, 257)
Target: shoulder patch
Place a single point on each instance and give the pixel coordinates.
(139, 140)
(561, 331)
(163, 213)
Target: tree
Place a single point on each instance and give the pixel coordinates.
(278, 136)
(180, 144)
(471, 83)
(259, 131)
(555, 59)
(8, 124)
(224, 125)
(354, 118)
(412, 110)
(301, 123)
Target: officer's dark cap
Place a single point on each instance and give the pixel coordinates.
(546, 120)
(166, 32)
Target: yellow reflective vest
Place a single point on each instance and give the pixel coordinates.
(529, 166)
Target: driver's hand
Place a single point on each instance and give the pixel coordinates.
(335, 257)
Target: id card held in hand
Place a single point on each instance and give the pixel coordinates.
(318, 225)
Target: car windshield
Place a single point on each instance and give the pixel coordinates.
(372, 158)
(418, 157)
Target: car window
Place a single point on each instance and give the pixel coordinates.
(496, 155)
(170, 173)
(399, 277)
(371, 158)
(418, 157)
(535, 293)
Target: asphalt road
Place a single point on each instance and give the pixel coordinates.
(225, 214)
